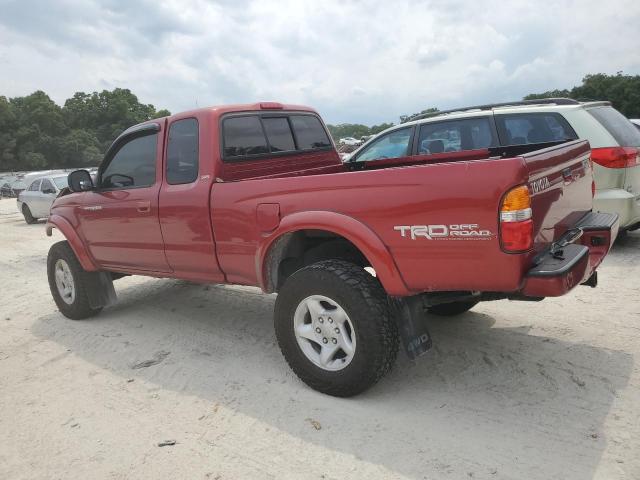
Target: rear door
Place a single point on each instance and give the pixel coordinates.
(184, 200)
(119, 220)
(46, 197)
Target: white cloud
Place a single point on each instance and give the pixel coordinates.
(352, 60)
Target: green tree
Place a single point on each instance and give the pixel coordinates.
(623, 91)
(8, 125)
(36, 133)
(406, 118)
(549, 94)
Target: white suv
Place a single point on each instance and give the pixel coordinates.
(614, 140)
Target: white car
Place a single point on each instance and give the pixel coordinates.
(35, 201)
(349, 141)
(636, 122)
(615, 142)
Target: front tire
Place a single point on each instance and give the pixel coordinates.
(28, 217)
(335, 327)
(451, 309)
(69, 283)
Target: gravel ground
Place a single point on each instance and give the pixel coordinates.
(511, 390)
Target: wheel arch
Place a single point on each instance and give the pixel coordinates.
(76, 243)
(336, 227)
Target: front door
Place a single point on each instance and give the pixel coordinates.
(119, 219)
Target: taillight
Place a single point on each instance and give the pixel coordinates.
(516, 226)
(616, 157)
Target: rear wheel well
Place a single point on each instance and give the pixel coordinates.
(296, 250)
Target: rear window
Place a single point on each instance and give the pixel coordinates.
(525, 128)
(250, 135)
(244, 136)
(309, 132)
(617, 125)
(279, 134)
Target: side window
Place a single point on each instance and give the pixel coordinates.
(525, 128)
(46, 186)
(182, 152)
(392, 145)
(309, 132)
(278, 134)
(455, 136)
(35, 186)
(133, 165)
(243, 136)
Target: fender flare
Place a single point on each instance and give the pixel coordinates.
(77, 245)
(360, 235)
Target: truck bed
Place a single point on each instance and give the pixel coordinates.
(450, 192)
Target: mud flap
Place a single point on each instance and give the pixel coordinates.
(100, 291)
(411, 324)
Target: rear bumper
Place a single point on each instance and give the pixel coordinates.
(622, 202)
(556, 274)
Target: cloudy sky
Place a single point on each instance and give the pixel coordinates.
(355, 61)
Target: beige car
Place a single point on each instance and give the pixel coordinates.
(614, 140)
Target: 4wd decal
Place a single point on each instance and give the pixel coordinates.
(540, 185)
(463, 231)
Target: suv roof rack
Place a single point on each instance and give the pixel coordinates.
(490, 106)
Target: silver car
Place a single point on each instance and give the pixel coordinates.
(35, 202)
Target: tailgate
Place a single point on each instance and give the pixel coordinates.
(560, 183)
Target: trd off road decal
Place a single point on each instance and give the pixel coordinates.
(463, 231)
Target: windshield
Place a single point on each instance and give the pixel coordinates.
(61, 182)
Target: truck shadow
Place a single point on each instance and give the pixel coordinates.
(499, 393)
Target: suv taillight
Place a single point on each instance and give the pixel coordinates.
(516, 226)
(616, 157)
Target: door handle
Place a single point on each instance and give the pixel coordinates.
(143, 207)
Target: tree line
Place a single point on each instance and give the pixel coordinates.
(36, 133)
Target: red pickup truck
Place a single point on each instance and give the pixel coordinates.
(257, 195)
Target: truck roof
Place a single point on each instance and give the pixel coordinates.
(242, 107)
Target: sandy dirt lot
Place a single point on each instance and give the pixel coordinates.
(511, 390)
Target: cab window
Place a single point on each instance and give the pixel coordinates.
(35, 186)
(392, 145)
(455, 136)
(182, 152)
(133, 165)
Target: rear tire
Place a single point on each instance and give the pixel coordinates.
(26, 212)
(363, 336)
(451, 309)
(69, 283)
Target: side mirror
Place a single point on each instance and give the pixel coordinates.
(80, 181)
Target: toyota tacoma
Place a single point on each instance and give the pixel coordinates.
(358, 253)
